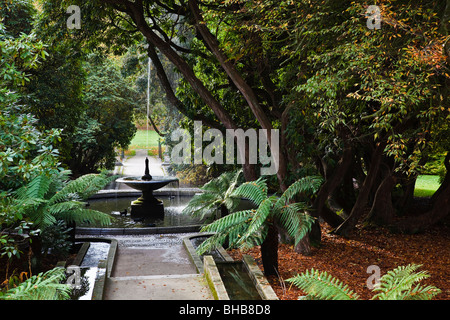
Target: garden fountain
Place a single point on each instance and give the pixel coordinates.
(147, 205)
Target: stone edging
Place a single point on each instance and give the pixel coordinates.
(104, 267)
(211, 273)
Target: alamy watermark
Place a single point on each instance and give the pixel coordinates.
(74, 21)
(214, 152)
(374, 279)
(373, 13)
(74, 276)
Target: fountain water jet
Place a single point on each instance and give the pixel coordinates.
(147, 205)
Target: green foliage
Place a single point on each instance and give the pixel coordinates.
(44, 286)
(17, 55)
(353, 82)
(44, 200)
(17, 16)
(25, 151)
(397, 284)
(248, 228)
(54, 92)
(322, 286)
(217, 193)
(56, 239)
(107, 123)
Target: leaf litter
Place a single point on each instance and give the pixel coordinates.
(348, 258)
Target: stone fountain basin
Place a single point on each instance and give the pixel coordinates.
(143, 185)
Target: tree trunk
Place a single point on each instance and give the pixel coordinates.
(319, 209)
(269, 251)
(361, 201)
(174, 101)
(136, 13)
(243, 87)
(440, 209)
(402, 203)
(446, 181)
(314, 236)
(382, 211)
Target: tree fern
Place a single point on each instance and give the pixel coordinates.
(44, 204)
(249, 227)
(215, 194)
(44, 286)
(397, 284)
(295, 220)
(322, 286)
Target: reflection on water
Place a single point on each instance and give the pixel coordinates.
(237, 281)
(97, 251)
(82, 278)
(197, 241)
(173, 216)
(83, 285)
(235, 275)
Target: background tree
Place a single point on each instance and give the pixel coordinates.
(107, 123)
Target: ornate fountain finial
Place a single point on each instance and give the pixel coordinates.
(146, 175)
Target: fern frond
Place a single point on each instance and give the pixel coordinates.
(202, 204)
(37, 188)
(307, 185)
(397, 284)
(222, 224)
(421, 293)
(233, 233)
(231, 184)
(258, 219)
(255, 191)
(81, 215)
(215, 193)
(230, 227)
(211, 243)
(231, 203)
(44, 286)
(35, 210)
(321, 285)
(83, 187)
(254, 239)
(295, 220)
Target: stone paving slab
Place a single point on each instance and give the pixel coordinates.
(143, 261)
(170, 287)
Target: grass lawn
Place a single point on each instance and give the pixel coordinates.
(426, 185)
(140, 140)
